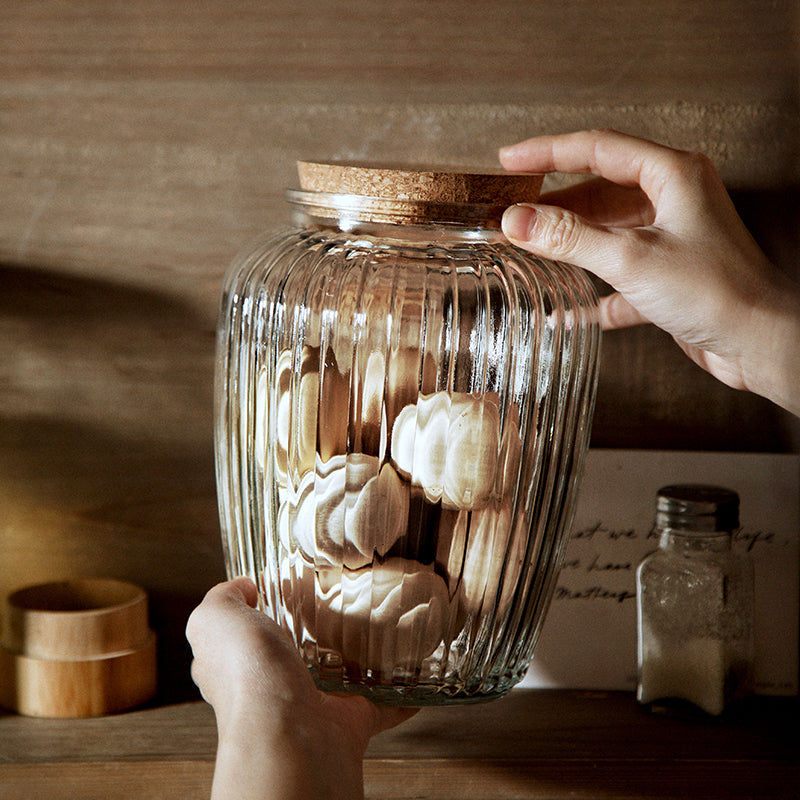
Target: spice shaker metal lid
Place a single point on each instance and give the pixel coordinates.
(697, 507)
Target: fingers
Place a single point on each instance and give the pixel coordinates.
(386, 717)
(609, 154)
(616, 312)
(688, 264)
(211, 621)
(241, 656)
(604, 203)
(361, 716)
(621, 159)
(228, 614)
(236, 590)
(561, 235)
(606, 225)
(240, 592)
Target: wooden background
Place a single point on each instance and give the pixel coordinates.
(144, 142)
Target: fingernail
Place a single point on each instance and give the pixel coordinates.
(518, 222)
(513, 149)
(507, 150)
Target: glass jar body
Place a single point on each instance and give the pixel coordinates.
(401, 417)
(695, 616)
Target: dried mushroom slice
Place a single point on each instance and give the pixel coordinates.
(346, 512)
(448, 445)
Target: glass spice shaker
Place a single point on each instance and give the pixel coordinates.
(403, 403)
(695, 601)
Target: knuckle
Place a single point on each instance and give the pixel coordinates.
(696, 169)
(195, 624)
(561, 234)
(637, 247)
(603, 131)
(192, 627)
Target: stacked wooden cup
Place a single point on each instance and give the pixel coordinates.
(76, 648)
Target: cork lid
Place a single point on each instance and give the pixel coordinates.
(402, 193)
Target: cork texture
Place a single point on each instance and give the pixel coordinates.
(428, 184)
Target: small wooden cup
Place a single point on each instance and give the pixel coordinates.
(76, 649)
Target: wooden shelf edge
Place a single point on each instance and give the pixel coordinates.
(503, 779)
(180, 779)
(534, 744)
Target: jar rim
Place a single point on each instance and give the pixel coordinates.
(343, 207)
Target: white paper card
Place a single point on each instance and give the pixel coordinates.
(589, 636)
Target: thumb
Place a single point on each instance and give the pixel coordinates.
(561, 235)
(622, 257)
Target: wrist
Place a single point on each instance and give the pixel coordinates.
(773, 366)
(282, 755)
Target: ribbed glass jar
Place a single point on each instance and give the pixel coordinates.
(403, 403)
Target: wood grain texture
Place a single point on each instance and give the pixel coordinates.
(61, 688)
(143, 143)
(614, 52)
(531, 744)
(75, 619)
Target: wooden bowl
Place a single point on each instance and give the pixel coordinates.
(76, 649)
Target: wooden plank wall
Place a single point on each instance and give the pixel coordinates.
(143, 142)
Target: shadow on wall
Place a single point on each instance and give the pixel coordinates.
(106, 459)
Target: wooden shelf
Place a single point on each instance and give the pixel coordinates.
(532, 744)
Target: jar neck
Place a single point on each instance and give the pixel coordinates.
(396, 219)
(692, 542)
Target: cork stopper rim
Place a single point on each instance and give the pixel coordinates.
(426, 184)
